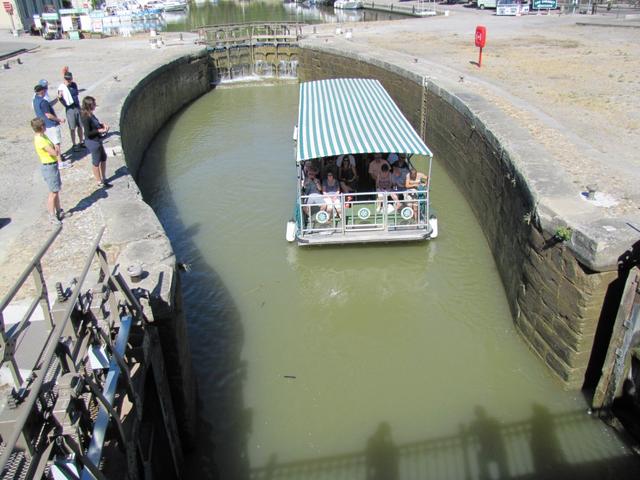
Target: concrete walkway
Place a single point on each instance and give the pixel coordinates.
(107, 69)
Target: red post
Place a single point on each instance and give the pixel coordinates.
(481, 40)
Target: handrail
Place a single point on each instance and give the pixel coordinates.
(47, 358)
(421, 200)
(246, 24)
(27, 271)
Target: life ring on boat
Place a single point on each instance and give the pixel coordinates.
(406, 213)
(322, 217)
(364, 213)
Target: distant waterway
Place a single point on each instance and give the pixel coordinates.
(224, 12)
(379, 362)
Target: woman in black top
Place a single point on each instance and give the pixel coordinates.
(348, 176)
(93, 132)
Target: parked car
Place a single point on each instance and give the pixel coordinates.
(482, 4)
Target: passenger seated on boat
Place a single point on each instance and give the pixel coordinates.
(414, 182)
(375, 166)
(351, 160)
(397, 178)
(313, 189)
(347, 175)
(329, 165)
(404, 167)
(311, 165)
(384, 187)
(331, 191)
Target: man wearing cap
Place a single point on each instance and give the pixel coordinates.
(68, 95)
(45, 111)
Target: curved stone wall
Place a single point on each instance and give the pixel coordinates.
(556, 301)
(148, 106)
(158, 97)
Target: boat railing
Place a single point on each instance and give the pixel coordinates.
(362, 211)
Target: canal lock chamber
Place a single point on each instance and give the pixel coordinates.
(560, 328)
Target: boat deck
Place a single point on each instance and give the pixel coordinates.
(375, 236)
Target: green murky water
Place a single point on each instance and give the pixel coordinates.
(377, 362)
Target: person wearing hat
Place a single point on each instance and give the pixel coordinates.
(68, 96)
(44, 84)
(49, 167)
(52, 123)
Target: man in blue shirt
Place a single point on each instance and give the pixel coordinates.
(52, 123)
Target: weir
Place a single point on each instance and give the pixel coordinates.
(252, 49)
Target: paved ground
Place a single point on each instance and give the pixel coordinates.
(569, 80)
(576, 88)
(106, 69)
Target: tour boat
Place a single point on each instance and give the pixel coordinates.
(348, 4)
(355, 120)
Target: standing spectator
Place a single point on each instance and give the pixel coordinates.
(52, 123)
(48, 157)
(43, 83)
(94, 130)
(68, 95)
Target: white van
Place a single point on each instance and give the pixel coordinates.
(482, 4)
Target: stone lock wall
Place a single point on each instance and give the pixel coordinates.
(147, 108)
(156, 98)
(555, 301)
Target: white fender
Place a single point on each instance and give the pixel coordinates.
(433, 223)
(290, 234)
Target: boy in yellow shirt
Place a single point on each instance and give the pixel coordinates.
(47, 154)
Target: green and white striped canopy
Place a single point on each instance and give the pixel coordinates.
(352, 115)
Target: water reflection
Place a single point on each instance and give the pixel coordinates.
(225, 12)
(544, 446)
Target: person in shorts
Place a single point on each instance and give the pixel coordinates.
(68, 96)
(415, 183)
(93, 131)
(44, 110)
(49, 167)
(384, 187)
